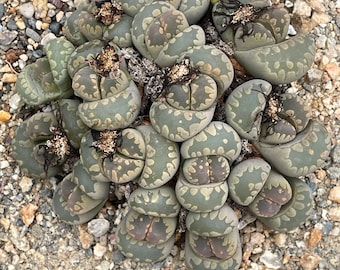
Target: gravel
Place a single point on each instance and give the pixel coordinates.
(32, 237)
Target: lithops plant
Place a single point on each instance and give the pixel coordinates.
(47, 79)
(78, 197)
(280, 128)
(141, 155)
(105, 20)
(245, 105)
(282, 203)
(147, 232)
(259, 38)
(45, 141)
(212, 239)
(111, 100)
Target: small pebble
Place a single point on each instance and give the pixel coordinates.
(85, 238)
(4, 164)
(20, 24)
(271, 260)
(98, 227)
(314, 238)
(2, 10)
(314, 75)
(99, 250)
(280, 239)
(27, 213)
(335, 154)
(32, 34)
(309, 261)
(26, 184)
(27, 10)
(302, 8)
(334, 194)
(41, 8)
(9, 78)
(6, 37)
(4, 116)
(11, 24)
(334, 213)
(14, 102)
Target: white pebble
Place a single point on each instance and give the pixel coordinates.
(14, 102)
(291, 30)
(27, 10)
(98, 227)
(99, 250)
(4, 164)
(271, 260)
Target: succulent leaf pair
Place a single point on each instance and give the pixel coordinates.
(259, 38)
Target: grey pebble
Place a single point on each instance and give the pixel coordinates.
(55, 27)
(334, 172)
(2, 10)
(6, 37)
(314, 74)
(335, 154)
(11, 24)
(32, 34)
(98, 227)
(38, 53)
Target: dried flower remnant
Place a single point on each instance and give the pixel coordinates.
(106, 142)
(58, 145)
(182, 72)
(107, 63)
(244, 14)
(109, 12)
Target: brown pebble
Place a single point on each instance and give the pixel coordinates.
(334, 194)
(334, 213)
(4, 116)
(314, 238)
(85, 238)
(333, 70)
(9, 78)
(27, 213)
(321, 174)
(309, 261)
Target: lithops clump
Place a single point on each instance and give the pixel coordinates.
(45, 141)
(139, 154)
(302, 155)
(279, 126)
(78, 198)
(147, 232)
(207, 158)
(105, 20)
(280, 202)
(212, 240)
(259, 38)
(160, 132)
(47, 79)
(111, 100)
